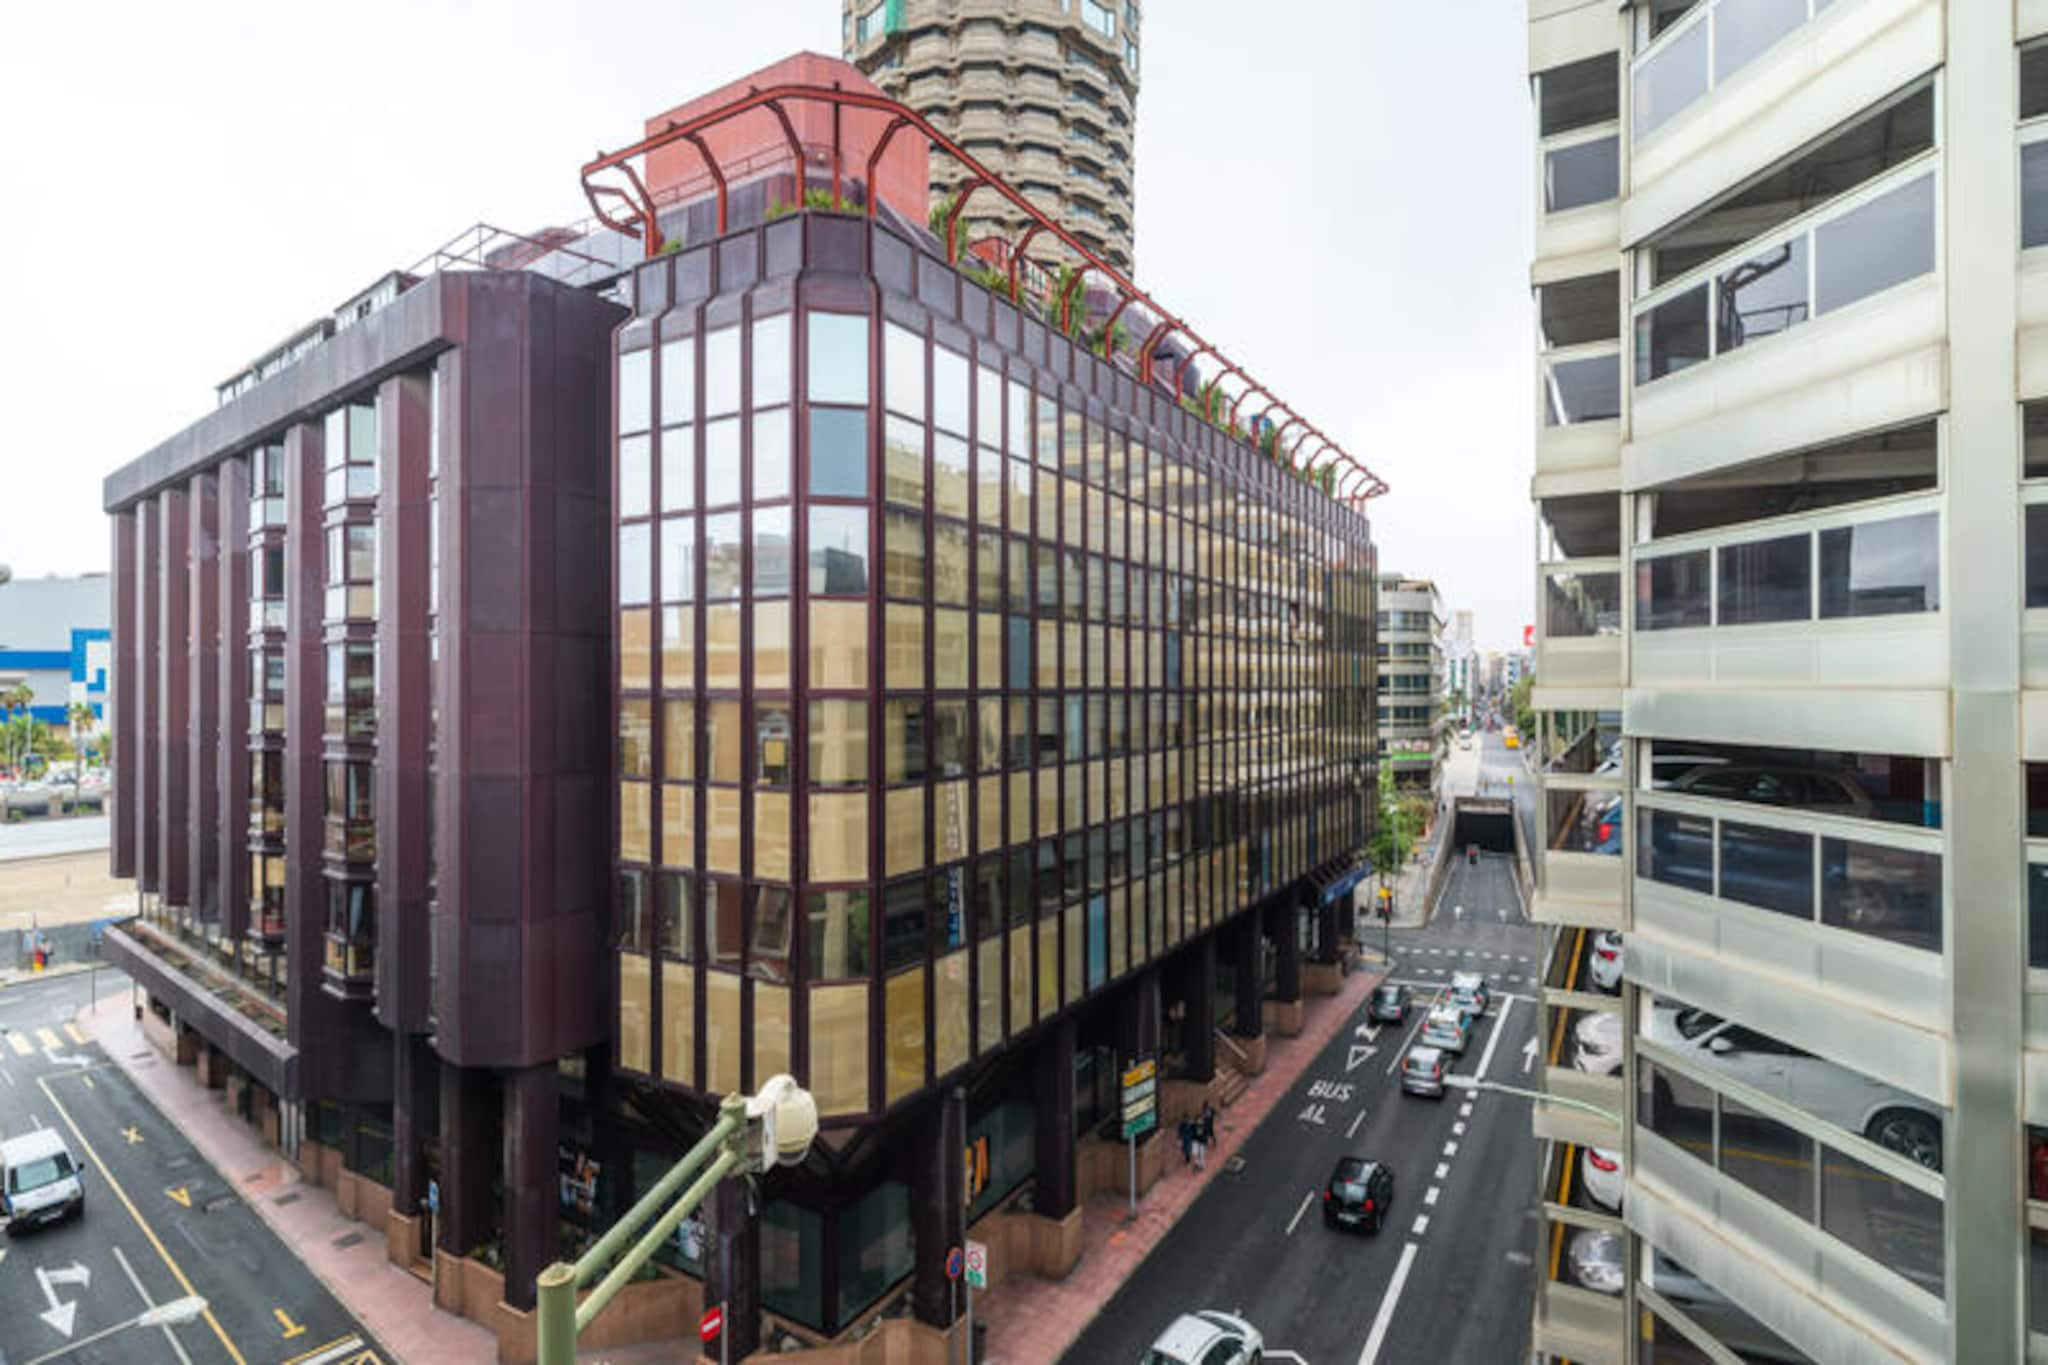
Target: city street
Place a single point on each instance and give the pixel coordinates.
(1449, 1277)
(159, 1223)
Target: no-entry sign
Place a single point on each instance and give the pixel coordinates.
(712, 1323)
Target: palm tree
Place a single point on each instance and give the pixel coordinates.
(15, 700)
(81, 717)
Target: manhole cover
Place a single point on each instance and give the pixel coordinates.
(1233, 1165)
(347, 1240)
(289, 1197)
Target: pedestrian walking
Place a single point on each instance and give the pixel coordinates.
(1208, 1124)
(1201, 1151)
(1187, 1142)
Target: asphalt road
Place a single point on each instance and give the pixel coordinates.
(159, 1222)
(1449, 1279)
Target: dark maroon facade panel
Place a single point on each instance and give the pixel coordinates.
(174, 688)
(201, 736)
(127, 687)
(148, 692)
(231, 702)
(402, 704)
(524, 855)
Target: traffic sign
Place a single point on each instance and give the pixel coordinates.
(712, 1323)
(955, 1263)
(977, 1266)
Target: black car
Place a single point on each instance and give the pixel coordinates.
(1358, 1194)
(1389, 1004)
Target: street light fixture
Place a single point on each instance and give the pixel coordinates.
(173, 1314)
(1563, 1101)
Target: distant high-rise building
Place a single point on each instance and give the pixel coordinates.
(1411, 679)
(1043, 93)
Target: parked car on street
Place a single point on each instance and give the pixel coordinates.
(1894, 1119)
(1446, 1028)
(1207, 1337)
(1422, 1072)
(1469, 992)
(39, 1180)
(1388, 1005)
(1596, 1044)
(1604, 966)
(1600, 1176)
(1358, 1194)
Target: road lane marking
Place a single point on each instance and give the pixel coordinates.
(1458, 1128)
(78, 1035)
(1352, 1131)
(48, 1039)
(1421, 1014)
(21, 1045)
(1443, 1168)
(349, 1349)
(88, 1083)
(180, 1194)
(37, 1122)
(177, 1347)
(1450, 1149)
(1293, 1222)
(1429, 1195)
(1421, 1225)
(177, 1271)
(7, 1076)
(286, 1325)
(133, 1134)
(1500, 1026)
(1385, 1317)
(1465, 1110)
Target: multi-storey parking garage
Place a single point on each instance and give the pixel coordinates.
(1787, 322)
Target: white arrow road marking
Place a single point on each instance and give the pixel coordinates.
(1306, 1200)
(1385, 1317)
(1274, 1353)
(1359, 1055)
(59, 1315)
(1369, 1032)
(1528, 1055)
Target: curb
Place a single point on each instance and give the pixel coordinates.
(13, 978)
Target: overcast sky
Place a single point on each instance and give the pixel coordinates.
(1337, 191)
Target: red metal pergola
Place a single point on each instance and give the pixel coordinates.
(631, 210)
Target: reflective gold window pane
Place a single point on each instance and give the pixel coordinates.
(1020, 807)
(949, 1012)
(903, 1033)
(988, 994)
(839, 743)
(722, 829)
(1048, 506)
(1047, 667)
(1070, 666)
(949, 839)
(1048, 800)
(771, 646)
(636, 821)
(903, 646)
(1077, 787)
(723, 742)
(636, 649)
(722, 647)
(903, 462)
(771, 836)
(636, 738)
(903, 554)
(902, 830)
(678, 649)
(678, 740)
(1020, 978)
(678, 825)
(949, 649)
(1117, 796)
(636, 983)
(1118, 954)
(771, 1030)
(1119, 675)
(1048, 966)
(1070, 989)
(839, 644)
(988, 661)
(949, 563)
(721, 1032)
(838, 836)
(839, 1049)
(679, 1023)
(988, 832)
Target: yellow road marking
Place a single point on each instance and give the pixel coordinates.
(107, 1174)
(47, 1038)
(78, 1035)
(21, 1045)
(180, 1194)
(88, 1083)
(365, 1357)
(284, 1321)
(133, 1134)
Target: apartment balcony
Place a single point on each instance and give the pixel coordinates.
(1734, 87)
(1578, 642)
(1579, 411)
(1830, 325)
(1566, 31)
(1578, 210)
(981, 124)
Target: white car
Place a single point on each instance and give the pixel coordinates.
(1596, 1044)
(39, 1180)
(1593, 1260)
(1605, 964)
(1207, 1338)
(1600, 1176)
(1445, 1028)
(1470, 994)
(1892, 1118)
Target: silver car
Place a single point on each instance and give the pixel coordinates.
(1422, 1072)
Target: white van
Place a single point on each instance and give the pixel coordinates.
(40, 1181)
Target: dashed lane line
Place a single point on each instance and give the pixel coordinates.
(1421, 1225)
(1450, 1148)
(1385, 1317)
(1443, 1168)
(177, 1347)
(1295, 1221)
(1352, 1131)
(1429, 1195)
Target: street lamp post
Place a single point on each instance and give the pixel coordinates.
(752, 1135)
(172, 1314)
(1563, 1101)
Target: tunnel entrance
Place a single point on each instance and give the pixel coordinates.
(1488, 824)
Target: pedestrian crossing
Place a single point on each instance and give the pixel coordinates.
(26, 1042)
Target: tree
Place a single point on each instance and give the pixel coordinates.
(82, 719)
(1518, 702)
(19, 730)
(1400, 824)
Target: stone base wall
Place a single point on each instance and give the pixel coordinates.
(1284, 1017)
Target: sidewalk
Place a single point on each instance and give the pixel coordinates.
(1033, 1321)
(390, 1302)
